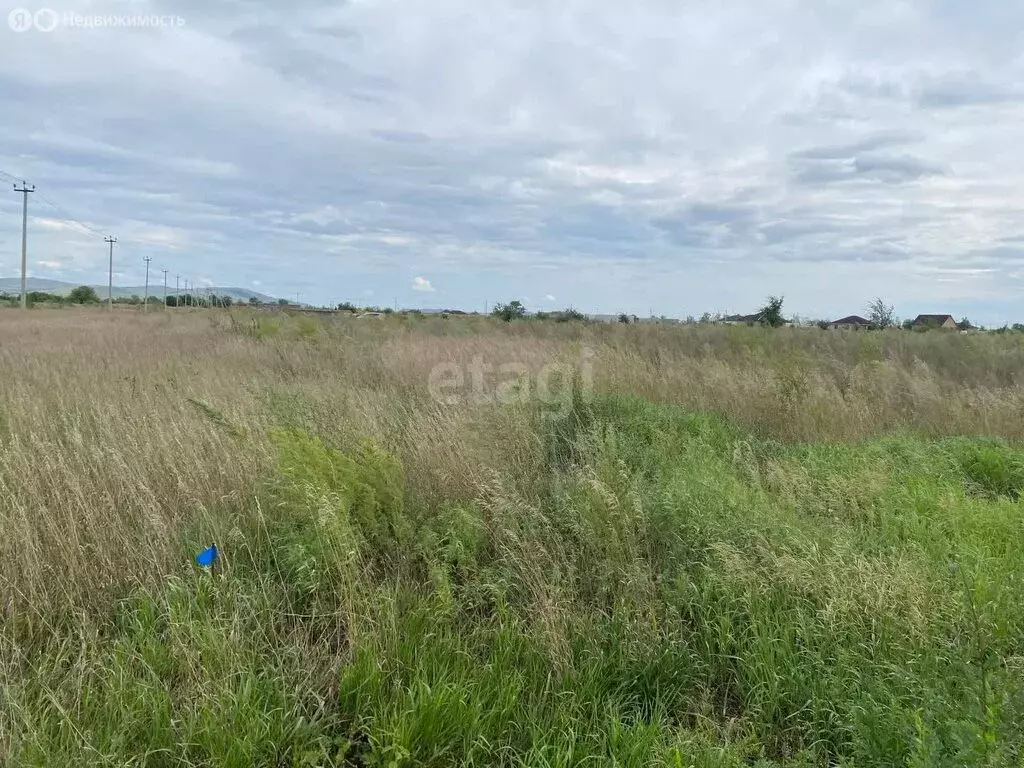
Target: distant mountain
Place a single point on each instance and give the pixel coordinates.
(12, 285)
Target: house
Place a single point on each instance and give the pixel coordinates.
(851, 323)
(934, 321)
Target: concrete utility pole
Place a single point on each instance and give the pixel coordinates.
(165, 289)
(110, 273)
(145, 300)
(24, 189)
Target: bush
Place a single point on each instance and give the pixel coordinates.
(991, 467)
(509, 312)
(83, 294)
(570, 315)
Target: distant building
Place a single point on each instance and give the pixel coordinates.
(935, 321)
(851, 323)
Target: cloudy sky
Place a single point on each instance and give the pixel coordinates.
(667, 155)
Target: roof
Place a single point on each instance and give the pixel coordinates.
(852, 320)
(756, 318)
(933, 319)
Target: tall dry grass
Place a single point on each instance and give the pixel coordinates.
(467, 587)
(119, 433)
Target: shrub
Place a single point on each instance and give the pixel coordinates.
(991, 467)
(83, 294)
(509, 312)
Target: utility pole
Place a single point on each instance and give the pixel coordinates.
(110, 273)
(145, 300)
(177, 291)
(24, 189)
(165, 289)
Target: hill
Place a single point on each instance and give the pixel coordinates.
(62, 288)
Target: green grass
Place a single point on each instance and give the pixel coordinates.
(672, 591)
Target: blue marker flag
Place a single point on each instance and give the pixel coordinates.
(207, 556)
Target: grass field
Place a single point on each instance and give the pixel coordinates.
(691, 546)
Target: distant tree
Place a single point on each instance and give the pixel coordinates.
(83, 294)
(347, 306)
(624, 318)
(226, 301)
(282, 302)
(253, 301)
(881, 315)
(771, 313)
(823, 324)
(706, 319)
(569, 315)
(41, 297)
(509, 312)
(389, 311)
(964, 325)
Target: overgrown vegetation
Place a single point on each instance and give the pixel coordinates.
(665, 576)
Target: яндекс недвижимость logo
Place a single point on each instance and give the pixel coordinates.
(47, 20)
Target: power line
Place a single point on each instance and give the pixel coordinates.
(80, 225)
(25, 189)
(145, 300)
(43, 198)
(110, 275)
(69, 218)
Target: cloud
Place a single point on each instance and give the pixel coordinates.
(894, 169)
(422, 284)
(688, 157)
(967, 90)
(549, 297)
(881, 140)
(879, 167)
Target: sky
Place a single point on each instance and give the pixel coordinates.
(665, 156)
